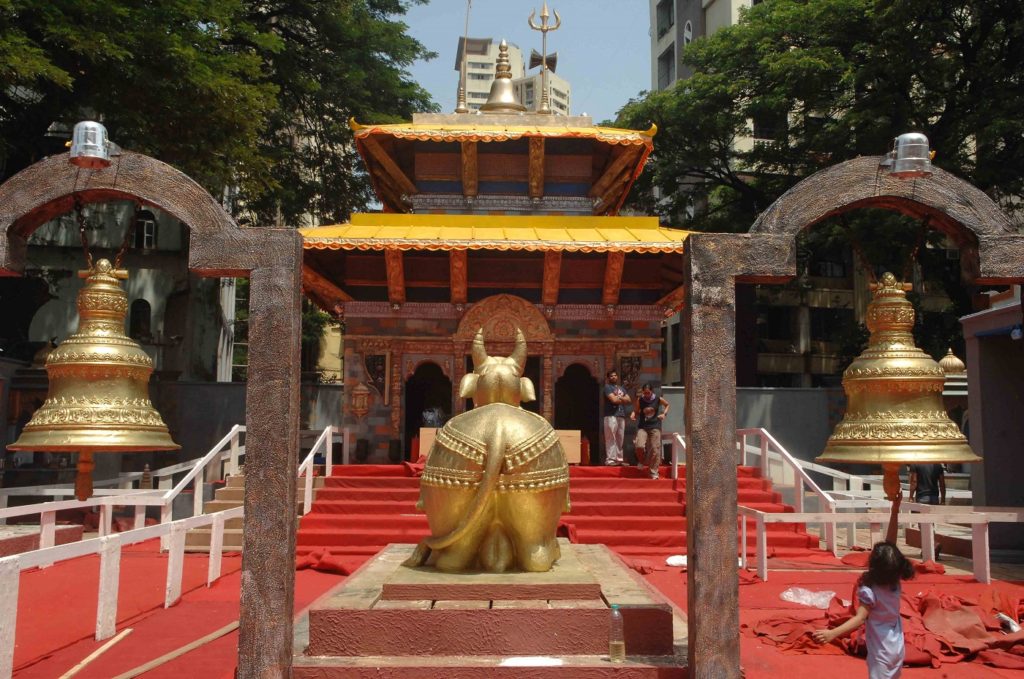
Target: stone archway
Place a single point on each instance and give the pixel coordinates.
(271, 259)
(499, 316)
(712, 264)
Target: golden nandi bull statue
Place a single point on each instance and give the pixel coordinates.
(496, 480)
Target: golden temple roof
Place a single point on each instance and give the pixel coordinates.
(553, 159)
(488, 131)
(442, 232)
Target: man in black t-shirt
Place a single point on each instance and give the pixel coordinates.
(928, 484)
(615, 401)
(650, 411)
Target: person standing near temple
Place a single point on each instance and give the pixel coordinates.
(615, 401)
(650, 412)
(928, 484)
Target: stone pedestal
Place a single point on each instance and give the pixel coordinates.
(391, 621)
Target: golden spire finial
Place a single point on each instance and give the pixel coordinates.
(502, 98)
(460, 97)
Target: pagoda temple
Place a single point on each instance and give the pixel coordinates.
(493, 220)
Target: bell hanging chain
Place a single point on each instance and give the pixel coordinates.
(129, 233)
(80, 216)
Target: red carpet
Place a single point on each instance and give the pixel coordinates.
(57, 605)
(203, 610)
(362, 508)
(200, 612)
(759, 601)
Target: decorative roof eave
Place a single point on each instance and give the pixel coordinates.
(632, 180)
(531, 233)
(378, 244)
(490, 133)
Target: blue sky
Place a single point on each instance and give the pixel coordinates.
(603, 46)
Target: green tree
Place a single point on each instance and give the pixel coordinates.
(343, 60)
(252, 95)
(830, 80)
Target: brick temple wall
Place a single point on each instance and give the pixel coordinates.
(383, 346)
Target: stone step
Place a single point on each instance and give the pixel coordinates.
(200, 537)
(237, 493)
(489, 667)
(420, 618)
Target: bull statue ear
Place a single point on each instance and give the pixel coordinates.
(467, 387)
(526, 390)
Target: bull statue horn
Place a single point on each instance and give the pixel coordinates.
(519, 353)
(478, 352)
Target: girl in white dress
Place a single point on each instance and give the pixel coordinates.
(878, 597)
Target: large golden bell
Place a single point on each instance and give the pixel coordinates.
(99, 385)
(895, 414)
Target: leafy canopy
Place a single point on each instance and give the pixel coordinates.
(828, 80)
(248, 95)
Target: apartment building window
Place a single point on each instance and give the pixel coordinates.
(665, 16)
(687, 33)
(240, 332)
(479, 64)
(479, 76)
(667, 67)
(770, 126)
(145, 231)
(140, 321)
(827, 323)
(828, 269)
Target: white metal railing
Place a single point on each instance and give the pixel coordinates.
(324, 443)
(678, 452)
(769, 449)
(108, 548)
(979, 520)
(228, 450)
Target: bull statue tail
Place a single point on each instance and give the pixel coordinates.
(488, 484)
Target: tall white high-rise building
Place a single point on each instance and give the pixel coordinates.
(677, 23)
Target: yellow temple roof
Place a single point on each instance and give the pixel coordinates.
(488, 131)
(442, 232)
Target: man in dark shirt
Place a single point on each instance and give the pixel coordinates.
(650, 412)
(615, 401)
(928, 484)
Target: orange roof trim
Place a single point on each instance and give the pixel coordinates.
(492, 133)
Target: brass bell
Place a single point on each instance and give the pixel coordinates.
(895, 414)
(502, 98)
(99, 385)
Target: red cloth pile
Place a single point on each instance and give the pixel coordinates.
(938, 628)
(323, 560)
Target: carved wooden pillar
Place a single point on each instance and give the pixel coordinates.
(396, 393)
(458, 372)
(709, 318)
(547, 377)
(271, 442)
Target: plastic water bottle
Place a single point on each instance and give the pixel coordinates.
(616, 636)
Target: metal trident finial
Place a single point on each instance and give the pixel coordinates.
(544, 28)
(544, 16)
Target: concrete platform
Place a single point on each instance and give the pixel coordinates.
(388, 620)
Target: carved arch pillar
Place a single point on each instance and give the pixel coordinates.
(712, 264)
(272, 260)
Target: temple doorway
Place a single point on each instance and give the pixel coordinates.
(577, 404)
(428, 401)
